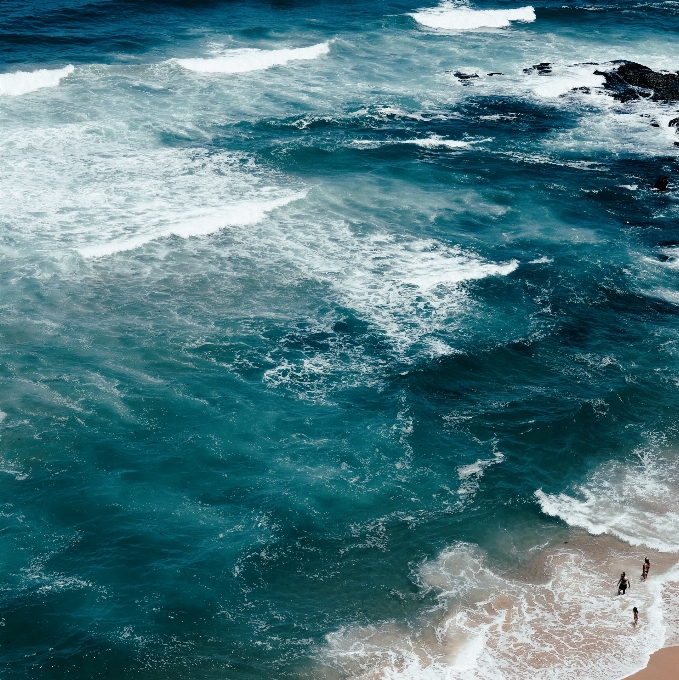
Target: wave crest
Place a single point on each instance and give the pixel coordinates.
(23, 82)
(638, 504)
(457, 17)
(247, 59)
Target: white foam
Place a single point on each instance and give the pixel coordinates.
(451, 16)
(435, 141)
(432, 142)
(409, 289)
(248, 59)
(563, 80)
(638, 504)
(3, 415)
(23, 82)
(196, 224)
(477, 468)
(470, 476)
(98, 192)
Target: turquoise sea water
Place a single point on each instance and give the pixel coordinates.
(295, 322)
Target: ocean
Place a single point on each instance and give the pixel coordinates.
(337, 339)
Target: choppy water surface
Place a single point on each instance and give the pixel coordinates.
(319, 341)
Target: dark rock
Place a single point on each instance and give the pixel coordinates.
(495, 73)
(583, 89)
(465, 77)
(664, 258)
(635, 81)
(544, 68)
(668, 244)
(661, 183)
(655, 125)
(673, 123)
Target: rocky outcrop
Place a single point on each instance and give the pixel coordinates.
(464, 78)
(544, 68)
(630, 81)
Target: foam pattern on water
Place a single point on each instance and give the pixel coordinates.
(98, 195)
(410, 289)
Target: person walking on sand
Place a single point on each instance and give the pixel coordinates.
(645, 568)
(623, 584)
(636, 616)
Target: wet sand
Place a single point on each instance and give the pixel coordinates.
(664, 665)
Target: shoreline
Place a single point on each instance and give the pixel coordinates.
(571, 583)
(663, 665)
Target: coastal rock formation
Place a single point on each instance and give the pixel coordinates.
(630, 81)
(544, 68)
(464, 77)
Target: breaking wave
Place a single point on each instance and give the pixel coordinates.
(451, 16)
(247, 59)
(23, 82)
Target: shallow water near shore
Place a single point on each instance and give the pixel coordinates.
(337, 340)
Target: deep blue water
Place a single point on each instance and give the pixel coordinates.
(262, 355)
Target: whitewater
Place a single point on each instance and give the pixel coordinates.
(338, 340)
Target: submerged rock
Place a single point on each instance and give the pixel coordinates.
(544, 68)
(634, 81)
(661, 183)
(465, 76)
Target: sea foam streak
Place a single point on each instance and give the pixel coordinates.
(23, 82)
(244, 60)
(196, 224)
(409, 289)
(451, 16)
(435, 141)
(563, 80)
(98, 195)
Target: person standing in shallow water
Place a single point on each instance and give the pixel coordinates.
(636, 616)
(645, 568)
(623, 584)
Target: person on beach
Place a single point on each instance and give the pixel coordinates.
(623, 584)
(636, 616)
(645, 568)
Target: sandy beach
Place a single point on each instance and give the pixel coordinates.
(663, 665)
